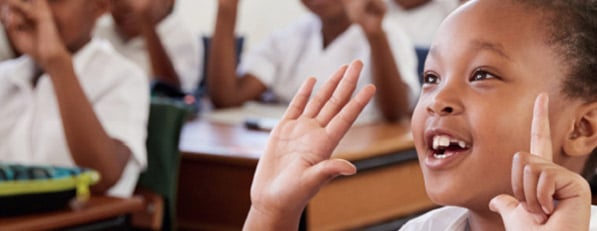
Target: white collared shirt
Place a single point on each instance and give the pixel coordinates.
(287, 57)
(451, 218)
(182, 46)
(420, 23)
(31, 130)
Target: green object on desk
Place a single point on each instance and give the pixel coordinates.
(166, 118)
(36, 188)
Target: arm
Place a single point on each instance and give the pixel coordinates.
(89, 145)
(537, 181)
(221, 63)
(161, 64)
(392, 92)
(296, 163)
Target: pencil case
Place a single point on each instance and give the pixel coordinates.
(28, 189)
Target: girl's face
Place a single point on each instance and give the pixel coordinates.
(75, 20)
(486, 66)
(325, 8)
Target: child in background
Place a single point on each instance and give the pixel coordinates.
(334, 33)
(70, 99)
(502, 76)
(152, 35)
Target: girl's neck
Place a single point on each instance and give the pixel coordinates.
(331, 28)
(485, 220)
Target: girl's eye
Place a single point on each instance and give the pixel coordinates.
(482, 75)
(430, 79)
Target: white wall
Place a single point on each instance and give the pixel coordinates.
(256, 18)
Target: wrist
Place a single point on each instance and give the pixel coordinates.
(259, 219)
(375, 35)
(56, 64)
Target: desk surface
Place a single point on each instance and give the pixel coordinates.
(97, 208)
(224, 157)
(200, 136)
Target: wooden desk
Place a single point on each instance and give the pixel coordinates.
(218, 163)
(96, 209)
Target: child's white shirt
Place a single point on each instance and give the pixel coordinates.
(31, 130)
(451, 218)
(183, 48)
(287, 57)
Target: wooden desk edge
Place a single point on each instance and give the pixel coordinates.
(62, 219)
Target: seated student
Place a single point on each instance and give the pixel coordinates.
(502, 76)
(334, 33)
(71, 99)
(152, 35)
(419, 18)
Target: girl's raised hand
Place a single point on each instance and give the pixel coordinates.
(537, 182)
(297, 160)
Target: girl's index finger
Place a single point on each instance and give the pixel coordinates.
(540, 134)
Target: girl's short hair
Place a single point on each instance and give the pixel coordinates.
(572, 31)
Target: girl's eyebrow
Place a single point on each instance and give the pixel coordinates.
(496, 48)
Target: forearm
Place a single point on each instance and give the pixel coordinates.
(161, 64)
(392, 92)
(89, 145)
(221, 66)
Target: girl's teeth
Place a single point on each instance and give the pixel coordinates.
(439, 156)
(462, 144)
(444, 142)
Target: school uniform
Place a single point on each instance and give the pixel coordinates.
(287, 57)
(451, 218)
(31, 130)
(180, 43)
(420, 23)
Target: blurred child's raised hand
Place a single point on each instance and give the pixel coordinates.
(537, 182)
(31, 27)
(297, 160)
(367, 13)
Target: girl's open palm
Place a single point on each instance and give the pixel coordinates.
(297, 158)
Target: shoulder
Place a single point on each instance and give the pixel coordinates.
(444, 218)
(99, 61)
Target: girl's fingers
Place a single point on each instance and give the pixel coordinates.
(530, 179)
(341, 94)
(540, 134)
(327, 170)
(297, 105)
(324, 94)
(518, 162)
(343, 120)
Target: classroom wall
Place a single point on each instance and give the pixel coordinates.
(256, 19)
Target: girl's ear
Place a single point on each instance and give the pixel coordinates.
(582, 138)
